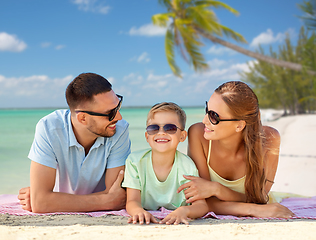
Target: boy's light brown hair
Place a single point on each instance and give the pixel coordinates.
(168, 107)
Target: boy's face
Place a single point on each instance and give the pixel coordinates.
(162, 141)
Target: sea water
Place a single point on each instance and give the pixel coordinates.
(17, 128)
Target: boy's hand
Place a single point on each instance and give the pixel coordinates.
(177, 216)
(141, 216)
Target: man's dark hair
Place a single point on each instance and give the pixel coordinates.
(84, 87)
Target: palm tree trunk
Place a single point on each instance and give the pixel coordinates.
(258, 56)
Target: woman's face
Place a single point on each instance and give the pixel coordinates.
(223, 129)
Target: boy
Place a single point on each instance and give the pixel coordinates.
(153, 176)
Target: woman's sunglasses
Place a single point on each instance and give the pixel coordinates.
(111, 115)
(214, 118)
(168, 128)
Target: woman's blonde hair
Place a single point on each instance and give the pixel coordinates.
(243, 103)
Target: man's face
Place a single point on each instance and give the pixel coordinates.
(100, 125)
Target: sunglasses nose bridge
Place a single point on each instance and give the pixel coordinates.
(161, 130)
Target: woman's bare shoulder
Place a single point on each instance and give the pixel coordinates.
(196, 131)
(271, 133)
(272, 137)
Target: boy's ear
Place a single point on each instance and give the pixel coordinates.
(146, 136)
(183, 136)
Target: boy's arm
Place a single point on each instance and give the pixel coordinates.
(198, 209)
(43, 199)
(135, 209)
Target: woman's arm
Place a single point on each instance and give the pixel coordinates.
(240, 209)
(271, 157)
(198, 149)
(198, 188)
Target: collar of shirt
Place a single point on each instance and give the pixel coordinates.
(73, 140)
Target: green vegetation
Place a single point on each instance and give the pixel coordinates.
(189, 21)
(277, 87)
(309, 8)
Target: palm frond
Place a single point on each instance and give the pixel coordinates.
(205, 19)
(166, 3)
(192, 46)
(161, 19)
(230, 33)
(216, 4)
(169, 48)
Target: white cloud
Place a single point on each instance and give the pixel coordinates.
(39, 86)
(133, 79)
(92, 6)
(201, 86)
(143, 58)
(269, 37)
(227, 73)
(221, 51)
(148, 30)
(157, 81)
(59, 47)
(216, 63)
(111, 80)
(46, 44)
(11, 43)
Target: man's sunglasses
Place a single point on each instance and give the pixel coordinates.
(168, 128)
(214, 118)
(111, 115)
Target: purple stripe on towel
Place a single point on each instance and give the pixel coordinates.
(304, 208)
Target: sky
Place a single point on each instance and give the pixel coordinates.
(45, 44)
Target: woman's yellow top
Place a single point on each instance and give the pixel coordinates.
(236, 185)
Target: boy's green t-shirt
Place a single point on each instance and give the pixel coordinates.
(139, 174)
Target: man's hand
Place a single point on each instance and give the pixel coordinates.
(118, 193)
(25, 199)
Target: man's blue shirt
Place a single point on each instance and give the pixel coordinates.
(56, 146)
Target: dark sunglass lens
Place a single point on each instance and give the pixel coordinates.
(214, 117)
(152, 129)
(113, 112)
(170, 128)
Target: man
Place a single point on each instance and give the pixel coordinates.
(78, 155)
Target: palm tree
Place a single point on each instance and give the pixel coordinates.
(309, 8)
(188, 21)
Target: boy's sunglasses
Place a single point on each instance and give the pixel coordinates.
(168, 128)
(214, 118)
(111, 115)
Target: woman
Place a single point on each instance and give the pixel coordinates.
(239, 155)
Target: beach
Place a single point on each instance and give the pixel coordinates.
(295, 174)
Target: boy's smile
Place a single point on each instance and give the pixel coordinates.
(162, 141)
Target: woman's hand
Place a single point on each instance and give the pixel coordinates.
(273, 210)
(198, 188)
(180, 215)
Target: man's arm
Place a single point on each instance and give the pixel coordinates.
(43, 199)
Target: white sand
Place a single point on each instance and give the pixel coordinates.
(297, 163)
(296, 174)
